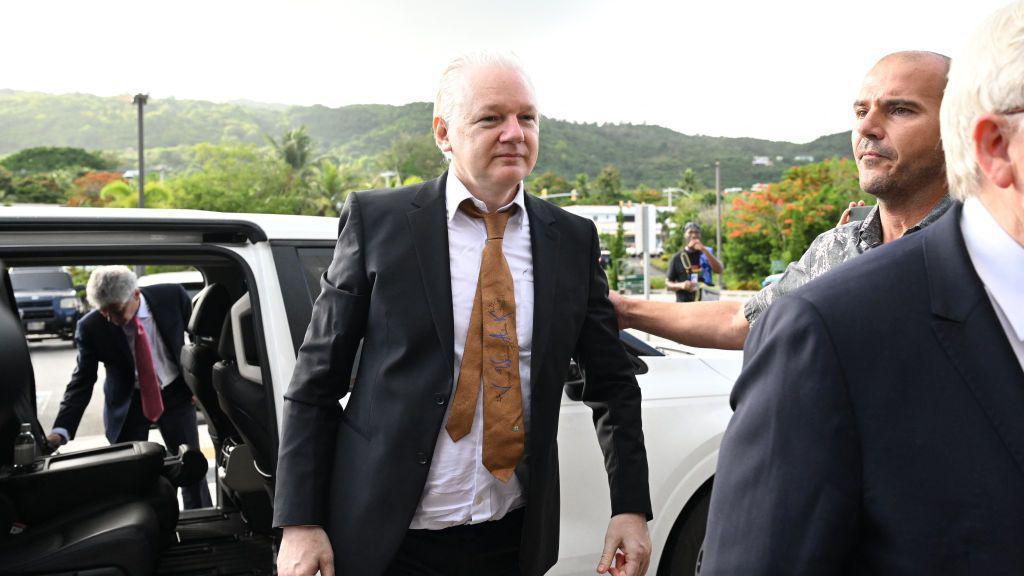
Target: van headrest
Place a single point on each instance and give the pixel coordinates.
(209, 310)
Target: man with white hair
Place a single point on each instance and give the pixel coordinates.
(878, 424)
(468, 297)
(137, 333)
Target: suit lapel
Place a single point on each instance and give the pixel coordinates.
(969, 331)
(544, 245)
(429, 227)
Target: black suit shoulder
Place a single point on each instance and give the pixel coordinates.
(887, 276)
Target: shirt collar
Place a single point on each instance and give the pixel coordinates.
(143, 307)
(456, 192)
(870, 230)
(998, 259)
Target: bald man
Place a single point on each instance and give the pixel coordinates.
(899, 157)
(878, 423)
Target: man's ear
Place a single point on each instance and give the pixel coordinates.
(441, 134)
(992, 149)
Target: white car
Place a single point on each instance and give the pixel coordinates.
(261, 274)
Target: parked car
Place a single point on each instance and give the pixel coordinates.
(261, 276)
(47, 300)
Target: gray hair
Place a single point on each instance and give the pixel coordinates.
(987, 77)
(110, 285)
(451, 89)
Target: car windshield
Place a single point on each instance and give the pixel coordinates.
(26, 281)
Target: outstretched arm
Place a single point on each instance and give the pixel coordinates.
(720, 324)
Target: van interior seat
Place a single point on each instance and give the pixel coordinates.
(210, 308)
(118, 535)
(116, 539)
(245, 402)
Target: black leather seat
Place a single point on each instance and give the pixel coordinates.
(113, 535)
(115, 540)
(245, 403)
(209, 309)
(248, 467)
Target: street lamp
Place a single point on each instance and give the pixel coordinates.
(387, 175)
(140, 100)
(670, 191)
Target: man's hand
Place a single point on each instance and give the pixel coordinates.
(845, 218)
(627, 546)
(304, 550)
(696, 244)
(621, 308)
(54, 440)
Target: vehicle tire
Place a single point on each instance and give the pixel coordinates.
(685, 544)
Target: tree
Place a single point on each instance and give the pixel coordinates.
(646, 194)
(551, 183)
(237, 178)
(781, 222)
(413, 155)
(38, 189)
(121, 194)
(582, 186)
(690, 182)
(294, 150)
(6, 183)
(46, 159)
(618, 251)
(608, 185)
(85, 190)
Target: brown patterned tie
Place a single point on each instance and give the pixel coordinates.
(492, 355)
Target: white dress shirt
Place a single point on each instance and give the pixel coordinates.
(166, 370)
(999, 261)
(459, 489)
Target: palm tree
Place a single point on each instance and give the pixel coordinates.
(294, 149)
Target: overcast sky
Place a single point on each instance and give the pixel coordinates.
(782, 70)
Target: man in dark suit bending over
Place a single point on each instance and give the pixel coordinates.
(470, 296)
(137, 333)
(878, 424)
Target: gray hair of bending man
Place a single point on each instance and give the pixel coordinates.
(451, 91)
(987, 77)
(110, 285)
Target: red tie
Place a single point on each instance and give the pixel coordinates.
(149, 385)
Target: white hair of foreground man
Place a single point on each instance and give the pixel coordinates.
(987, 77)
(451, 89)
(110, 285)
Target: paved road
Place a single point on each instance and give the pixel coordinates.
(53, 362)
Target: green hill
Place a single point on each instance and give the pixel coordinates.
(644, 154)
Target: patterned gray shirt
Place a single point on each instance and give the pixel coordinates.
(830, 249)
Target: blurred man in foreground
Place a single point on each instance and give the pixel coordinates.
(878, 424)
(899, 156)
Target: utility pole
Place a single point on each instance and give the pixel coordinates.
(718, 215)
(140, 100)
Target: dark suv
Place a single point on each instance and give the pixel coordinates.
(47, 301)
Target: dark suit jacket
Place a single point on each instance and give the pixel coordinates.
(360, 472)
(100, 341)
(879, 425)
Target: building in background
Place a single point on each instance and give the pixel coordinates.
(606, 220)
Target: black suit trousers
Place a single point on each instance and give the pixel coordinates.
(177, 426)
